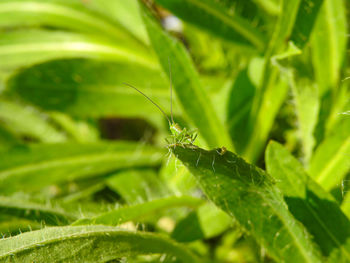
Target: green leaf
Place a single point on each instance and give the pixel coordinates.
(290, 26)
(79, 130)
(329, 40)
(206, 222)
(87, 244)
(249, 195)
(126, 13)
(193, 99)
(330, 162)
(265, 96)
(307, 108)
(309, 203)
(10, 226)
(54, 163)
(7, 138)
(295, 23)
(178, 179)
(137, 186)
(272, 7)
(27, 47)
(140, 211)
(24, 120)
(273, 98)
(33, 211)
(345, 205)
(72, 86)
(305, 20)
(212, 17)
(240, 102)
(60, 14)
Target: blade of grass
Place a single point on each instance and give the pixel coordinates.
(25, 120)
(87, 244)
(126, 13)
(47, 164)
(137, 186)
(27, 47)
(79, 130)
(60, 14)
(140, 211)
(330, 162)
(290, 26)
(249, 195)
(329, 44)
(193, 99)
(328, 48)
(33, 211)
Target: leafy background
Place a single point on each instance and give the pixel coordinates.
(84, 172)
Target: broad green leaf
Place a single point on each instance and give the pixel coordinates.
(87, 244)
(210, 16)
(240, 103)
(307, 107)
(72, 86)
(33, 211)
(193, 99)
(24, 120)
(331, 162)
(329, 44)
(249, 195)
(27, 47)
(206, 222)
(140, 211)
(47, 164)
(309, 203)
(60, 14)
(137, 186)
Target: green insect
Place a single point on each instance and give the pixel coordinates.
(179, 136)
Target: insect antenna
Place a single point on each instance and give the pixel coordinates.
(171, 94)
(155, 104)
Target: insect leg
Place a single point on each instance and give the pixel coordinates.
(193, 138)
(198, 158)
(212, 164)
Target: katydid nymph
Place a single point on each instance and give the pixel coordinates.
(179, 136)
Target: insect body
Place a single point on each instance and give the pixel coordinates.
(179, 136)
(182, 136)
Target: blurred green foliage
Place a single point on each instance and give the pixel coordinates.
(80, 149)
